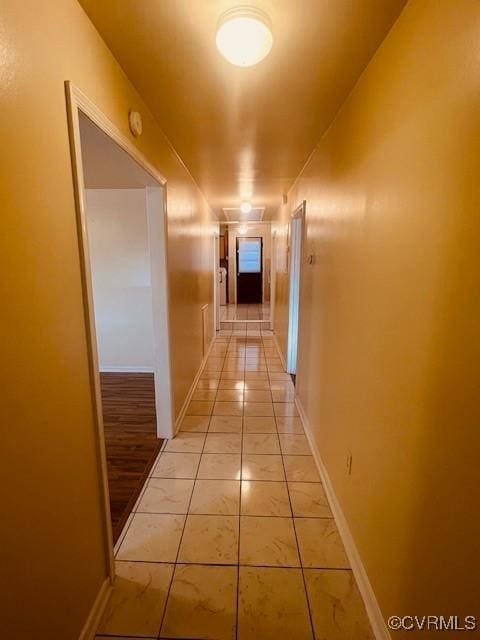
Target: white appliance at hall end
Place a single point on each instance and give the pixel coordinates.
(222, 284)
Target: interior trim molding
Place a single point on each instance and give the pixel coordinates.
(126, 369)
(282, 357)
(372, 607)
(188, 397)
(90, 627)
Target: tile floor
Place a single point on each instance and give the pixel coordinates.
(232, 536)
(245, 311)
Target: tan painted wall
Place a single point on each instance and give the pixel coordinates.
(52, 557)
(389, 363)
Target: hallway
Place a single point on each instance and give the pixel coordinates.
(232, 536)
(316, 162)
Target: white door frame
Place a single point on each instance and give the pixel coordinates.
(156, 204)
(273, 277)
(216, 292)
(297, 226)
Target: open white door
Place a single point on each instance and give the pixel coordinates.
(296, 242)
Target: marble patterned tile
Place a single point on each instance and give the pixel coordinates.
(308, 499)
(255, 366)
(223, 443)
(200, 408)
(204, 394)
(289, 424)
(211, 384)
(337, 608)
(258, 395)
(228, 409)
(265, 499)
(285, 409)
(235, 383)
(258, 409)
(186, 443)
(320, 544)
(138, 599)
(225, 424)
(268, 542)
(210, 540)
(195, 423)
(280, 376)
(152, 537)
(272, 605)
(230, 375)
(283, 395)
(261, 443)
(294, 444)
(259, 424)
(260, 385)
(262, 467)
(220, 466)
(256, 375)
(202, 603)
(301, 469)
(176, 465)
(230, 395)
(275, 368)
(166, 495)
(216, 497)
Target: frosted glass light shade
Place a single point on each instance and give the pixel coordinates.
(244, 37)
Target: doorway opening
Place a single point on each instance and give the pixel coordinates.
(244, 276)
(120, 202)
(249, 271)
(296, 245)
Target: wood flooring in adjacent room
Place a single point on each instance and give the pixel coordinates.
(130, 438)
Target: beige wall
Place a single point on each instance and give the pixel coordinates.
(53, 559)
(389, 362)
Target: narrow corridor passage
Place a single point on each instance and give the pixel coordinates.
(233, 536)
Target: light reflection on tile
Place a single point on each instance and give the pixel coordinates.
(262, 467)
(219, 466)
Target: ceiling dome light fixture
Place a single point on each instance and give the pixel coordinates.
(244, 36)
(245, 207)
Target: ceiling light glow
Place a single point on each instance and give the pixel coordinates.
(243, 36)
(242, 230)
(245, 207)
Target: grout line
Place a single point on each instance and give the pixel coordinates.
(240, 509)
(298, 549)
(181, 537)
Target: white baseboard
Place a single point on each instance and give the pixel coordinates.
(126, 369)
(191, 391)
(284, 364)
(89, 630)
(366, 591)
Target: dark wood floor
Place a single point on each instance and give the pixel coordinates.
(130, 437)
